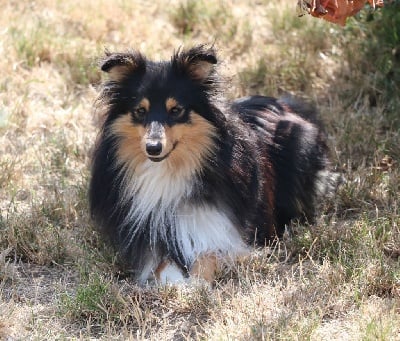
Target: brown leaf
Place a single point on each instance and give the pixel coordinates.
(336, 11)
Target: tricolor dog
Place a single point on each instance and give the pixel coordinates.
(183, 178)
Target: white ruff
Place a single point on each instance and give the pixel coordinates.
(157, 191)
(161, 197)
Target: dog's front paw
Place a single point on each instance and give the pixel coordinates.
(169, 273)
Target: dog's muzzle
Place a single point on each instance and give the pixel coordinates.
(155, 142)
(154, 148)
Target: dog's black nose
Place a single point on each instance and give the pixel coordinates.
(154, 148)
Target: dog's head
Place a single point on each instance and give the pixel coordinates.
(162, 110)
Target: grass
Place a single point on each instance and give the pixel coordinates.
(192, 17)
(338, 278)
(292, 61)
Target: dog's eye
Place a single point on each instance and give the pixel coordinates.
(140, 112)
(176, 111)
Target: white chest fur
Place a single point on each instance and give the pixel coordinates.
(162, 199)
(205, 229)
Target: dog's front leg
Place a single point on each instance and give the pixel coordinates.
(205, 267)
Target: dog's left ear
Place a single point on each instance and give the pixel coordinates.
(198, 62)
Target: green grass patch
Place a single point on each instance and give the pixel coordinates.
(375, 69)
(94, 299)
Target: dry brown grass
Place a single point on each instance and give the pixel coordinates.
(337, 279)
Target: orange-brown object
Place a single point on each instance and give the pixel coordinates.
(336, 11)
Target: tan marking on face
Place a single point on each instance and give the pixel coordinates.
(129, 150)
(144, 103)
(205, 267)
(171, 103)
(193, 144)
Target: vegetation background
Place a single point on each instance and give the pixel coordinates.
(336, 279)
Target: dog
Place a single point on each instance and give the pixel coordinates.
(183, 179)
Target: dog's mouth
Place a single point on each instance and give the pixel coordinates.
(161, 158)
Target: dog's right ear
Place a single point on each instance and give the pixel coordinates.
(120, 65)
(198, 62)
